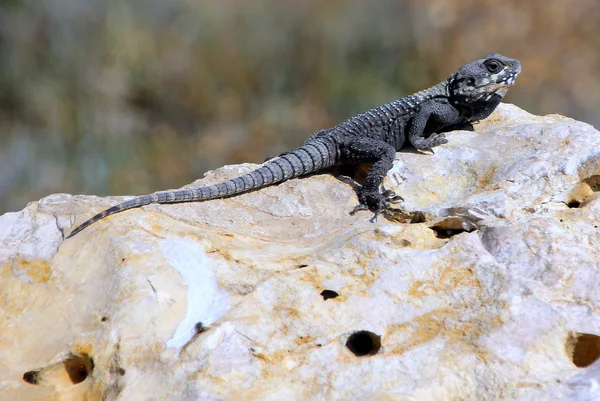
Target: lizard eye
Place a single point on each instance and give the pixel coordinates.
(471, 81)
(493, 66)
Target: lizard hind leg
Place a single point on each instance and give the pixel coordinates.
(381, 154)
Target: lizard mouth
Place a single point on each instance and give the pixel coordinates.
(502, 91)
(499, 89)
(502, 87)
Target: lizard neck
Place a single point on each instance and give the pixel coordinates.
(411, 103)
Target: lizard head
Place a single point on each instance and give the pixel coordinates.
(484, 79)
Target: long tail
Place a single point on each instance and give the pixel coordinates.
(307, 159)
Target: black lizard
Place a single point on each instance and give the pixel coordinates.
(469, 95)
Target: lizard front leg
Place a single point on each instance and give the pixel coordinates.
(381, 154)
(438, 114)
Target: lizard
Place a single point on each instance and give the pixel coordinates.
(469, 95)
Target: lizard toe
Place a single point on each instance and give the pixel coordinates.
(391, 197)
(388, 193)
(374, 218)
(358, 208)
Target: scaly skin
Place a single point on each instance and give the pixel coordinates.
(471, 94)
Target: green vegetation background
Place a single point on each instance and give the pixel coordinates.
(108, 97)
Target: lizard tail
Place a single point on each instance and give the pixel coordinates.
(305, 160)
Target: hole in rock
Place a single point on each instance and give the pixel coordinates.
(103, 319)
(31, 377)
(446, 233)
(453, 225)
(582, 191)
(583, 348)
(79, 368)
(362, 343)
(594, 182)
(121, 371)
(200, 328)
(72, 370)
(329, 294)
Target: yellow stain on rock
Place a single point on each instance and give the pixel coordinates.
(84, 348)
(447, 322)
(37, 270)
(450, 279)
(487, 179)
(454, 323)
(419, 289)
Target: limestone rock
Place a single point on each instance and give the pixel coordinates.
(485, 286)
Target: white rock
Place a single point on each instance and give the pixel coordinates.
(222, 299)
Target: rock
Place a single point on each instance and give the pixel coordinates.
(490, 293)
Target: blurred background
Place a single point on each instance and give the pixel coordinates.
(108, 97)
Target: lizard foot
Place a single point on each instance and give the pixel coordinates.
(433, 141)
(376, 202)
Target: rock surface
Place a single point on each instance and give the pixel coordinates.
(490, 293)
